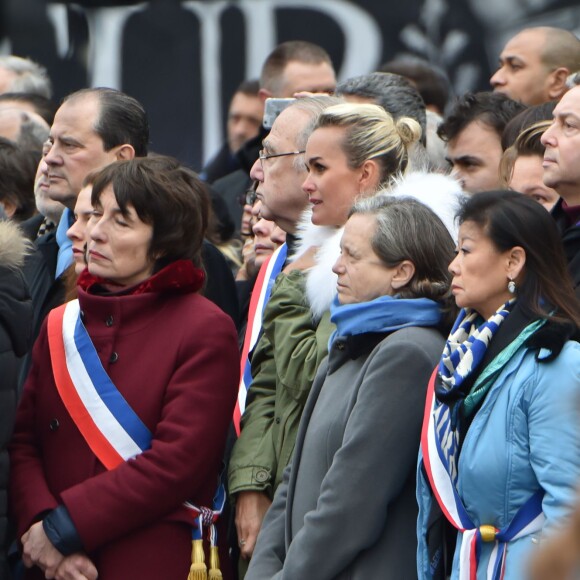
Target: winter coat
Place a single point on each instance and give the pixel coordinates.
(296, 330)
(15, 340)
(523, 438)
(174, 358)
(284, 364)
(571, 242)
(346, 507)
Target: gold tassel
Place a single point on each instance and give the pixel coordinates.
(198, 569)
(214, 564)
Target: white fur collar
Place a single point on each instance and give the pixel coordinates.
(439, 192)
(320, 279)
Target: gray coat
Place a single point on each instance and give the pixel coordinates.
(346, 508)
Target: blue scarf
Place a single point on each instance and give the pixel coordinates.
(383, 314)
(65, 255)
(467, 344)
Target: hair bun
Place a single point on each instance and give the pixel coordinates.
(409, 130)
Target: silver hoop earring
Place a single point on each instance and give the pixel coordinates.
(512, 287)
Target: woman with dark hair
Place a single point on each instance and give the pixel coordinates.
(120, 434)
(500, 446)
(346, 507)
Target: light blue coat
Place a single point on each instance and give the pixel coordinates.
(525, 437)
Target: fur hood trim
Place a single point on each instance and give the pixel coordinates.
(441, 193)
(14, 246)
(320, 279)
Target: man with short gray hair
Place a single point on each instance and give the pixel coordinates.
(391, 91)
(22, 75)
(265, 446)
(28, 130)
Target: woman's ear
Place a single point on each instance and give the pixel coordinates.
(369, 179)
(404, 273)
(516, 262)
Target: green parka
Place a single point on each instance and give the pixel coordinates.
(284, 365)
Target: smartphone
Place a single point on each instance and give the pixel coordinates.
(272, 109)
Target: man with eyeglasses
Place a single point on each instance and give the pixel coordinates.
(282, 371)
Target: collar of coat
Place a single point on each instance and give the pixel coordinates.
(179, 276)
(320, 279)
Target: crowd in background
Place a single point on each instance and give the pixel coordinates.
(347, 347)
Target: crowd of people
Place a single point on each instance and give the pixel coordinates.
(347, 347)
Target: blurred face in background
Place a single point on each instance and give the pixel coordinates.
(267, 238)
(522, 75)
(528, 178)
(474, 156)
(78, 233)
(244, 119)
(44, 204)
(306, 77)
(247, 201)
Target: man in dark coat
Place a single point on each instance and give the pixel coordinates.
(244, 121)
(15, 340)
(91, 129)
(562, 172)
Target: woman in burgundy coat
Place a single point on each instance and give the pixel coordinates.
(172, 359)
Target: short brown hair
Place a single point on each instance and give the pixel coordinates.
(278, 59)
(528, 143)
(166, 195)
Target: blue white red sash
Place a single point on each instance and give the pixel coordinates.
(439, 441)
(260, 296)
(108, 424)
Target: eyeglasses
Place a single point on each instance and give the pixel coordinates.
(262, 156)
(249, 197)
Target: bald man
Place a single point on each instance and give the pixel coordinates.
(534, 64)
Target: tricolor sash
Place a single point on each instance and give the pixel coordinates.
(260, 296)
(108, 424)
(439, 443)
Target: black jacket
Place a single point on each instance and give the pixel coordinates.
(571, 240)
(15, 341)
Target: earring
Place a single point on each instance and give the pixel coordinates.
(512, 287)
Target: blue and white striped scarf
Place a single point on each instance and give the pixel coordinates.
(467, 344)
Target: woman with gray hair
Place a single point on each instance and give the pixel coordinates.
(346, 507)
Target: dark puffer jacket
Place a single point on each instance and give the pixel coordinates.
(15, 340)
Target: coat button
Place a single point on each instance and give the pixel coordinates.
(54, 424)
(109, 321)
(340, 345)
(262, 476)
(277, 420)
(114, 358)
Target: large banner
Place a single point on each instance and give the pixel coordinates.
(183, 60)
